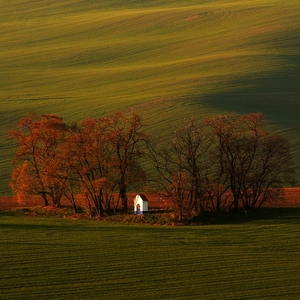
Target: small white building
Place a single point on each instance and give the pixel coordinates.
(140, 204)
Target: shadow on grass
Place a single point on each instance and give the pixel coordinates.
(282, 214)
(275, 96)
(274, 93)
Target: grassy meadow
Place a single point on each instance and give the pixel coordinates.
(48, 258)
(160, 59)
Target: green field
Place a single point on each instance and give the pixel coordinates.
(44, 258)
(160, 59)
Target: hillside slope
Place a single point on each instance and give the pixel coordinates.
(161, 59)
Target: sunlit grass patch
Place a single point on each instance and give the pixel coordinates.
(87, 59)
(46, 258)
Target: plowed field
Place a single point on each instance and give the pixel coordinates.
(292, 199)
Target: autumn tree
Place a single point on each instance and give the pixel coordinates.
(104, 154)
(90, 163)
(96, 157)
(64, 173)
(221, 163)
(38, 157)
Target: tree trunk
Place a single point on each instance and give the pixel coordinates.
(44, 196)
(124, 199)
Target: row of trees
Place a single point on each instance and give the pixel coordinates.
(217, 164)
(96, 158)
(223, 163)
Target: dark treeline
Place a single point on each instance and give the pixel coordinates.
(220, 163)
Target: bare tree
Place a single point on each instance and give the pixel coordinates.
(182, 166)
(250, 162)
(126, 136)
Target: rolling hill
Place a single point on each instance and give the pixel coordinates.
(160, 59)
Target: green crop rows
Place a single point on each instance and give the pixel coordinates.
(43, 258)
(161, 59)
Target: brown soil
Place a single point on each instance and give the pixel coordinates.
(292, 199)
(13, 202)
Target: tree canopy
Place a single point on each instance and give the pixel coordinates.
(220, 163)
(96, 158)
